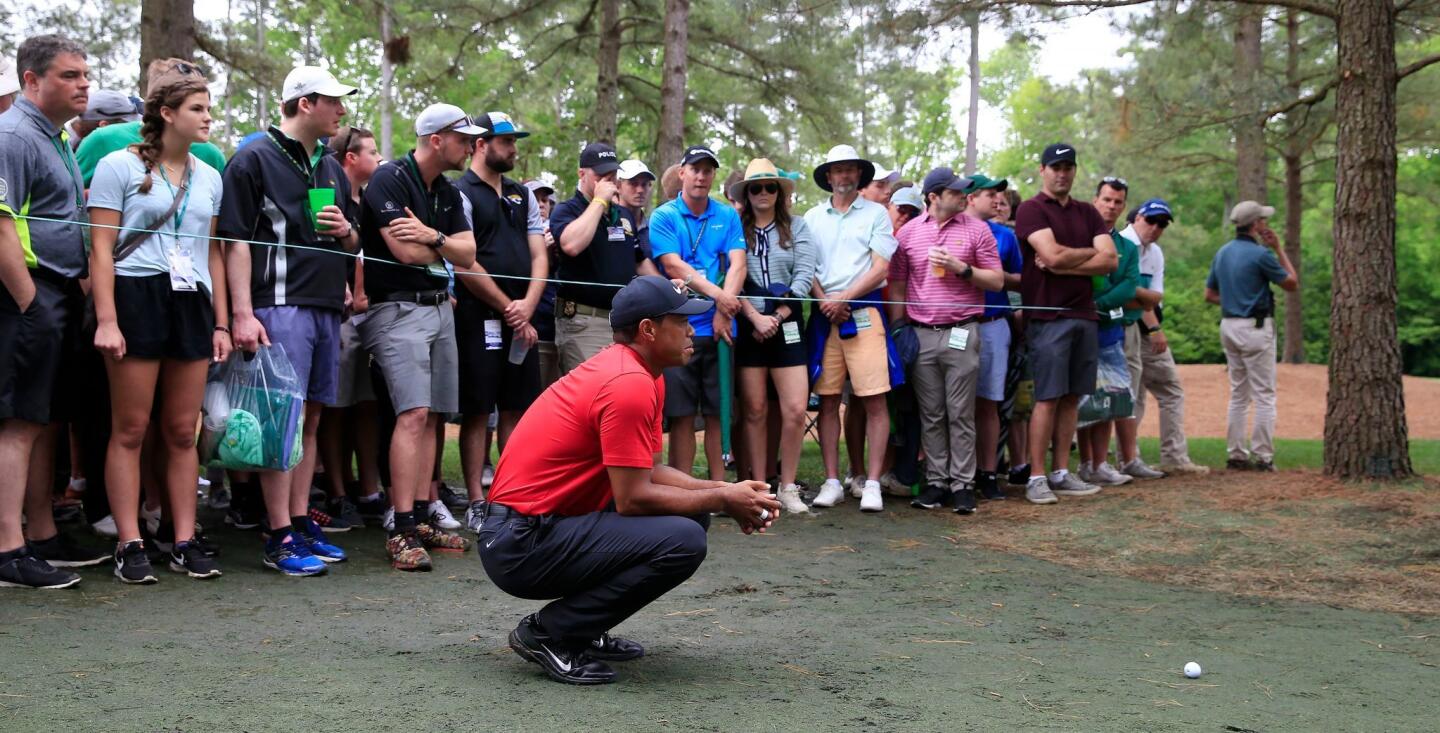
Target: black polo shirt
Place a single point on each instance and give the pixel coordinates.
(500, 223)
(1075, 225)
(394, 187)
(611, 257)
(266, 199)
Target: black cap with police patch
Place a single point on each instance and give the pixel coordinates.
(599, 157)
(652, 296)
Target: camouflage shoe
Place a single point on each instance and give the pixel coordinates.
(435, 538)
(406, 553)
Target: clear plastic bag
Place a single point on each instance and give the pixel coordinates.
(263, 407)
(1112, 399)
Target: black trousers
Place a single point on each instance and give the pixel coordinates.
(601, 567)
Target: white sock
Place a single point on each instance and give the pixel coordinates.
(1058, 476)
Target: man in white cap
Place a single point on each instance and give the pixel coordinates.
(412, 223)
(636, 184)
(1239, 282)
(855, 242)
(9, 84)
(292, 296)
(881, 186)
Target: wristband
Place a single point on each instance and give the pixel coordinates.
(603, 203)
(223, 329)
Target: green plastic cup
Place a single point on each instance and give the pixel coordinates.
(319, 199)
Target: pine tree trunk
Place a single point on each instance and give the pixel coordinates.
(1294, 349)
(607, 83)
(672, 85)
(387, 88)
(973, 123)
(1365, 430)
(262, 95)
(1250, 158)
(167, 30)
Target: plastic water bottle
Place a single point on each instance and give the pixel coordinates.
(518, 350)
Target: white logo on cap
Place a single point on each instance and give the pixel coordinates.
(4, 189)
(605, 154)
(1062, 151)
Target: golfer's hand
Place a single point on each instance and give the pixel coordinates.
(745, 499)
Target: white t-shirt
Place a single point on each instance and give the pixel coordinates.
(116, 186)
(1152, 260)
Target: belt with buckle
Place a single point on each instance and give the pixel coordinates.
(426, 297)
(946, 326)
(570, 309)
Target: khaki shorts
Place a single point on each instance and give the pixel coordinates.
(864, 359)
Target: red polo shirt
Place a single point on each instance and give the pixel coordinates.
(1075, 224)
(606, 412)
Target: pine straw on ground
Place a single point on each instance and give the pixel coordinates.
(1294, 535)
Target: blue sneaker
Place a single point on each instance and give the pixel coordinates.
(314, 538)
(293, 558)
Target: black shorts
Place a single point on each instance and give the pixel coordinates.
(160, 323)
(1064, 354)
(34, 346)
(694, 389)
(487, 378)
(772, 353)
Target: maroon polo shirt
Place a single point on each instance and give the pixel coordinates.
(1075, 225)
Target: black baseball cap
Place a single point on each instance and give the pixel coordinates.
(1059, 152)
(498, 123)
(942, 178)
(696, 153)
(599, 157)
(652, 296)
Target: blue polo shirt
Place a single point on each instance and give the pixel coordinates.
(1242, 272)
(704, 242)
(998, 303)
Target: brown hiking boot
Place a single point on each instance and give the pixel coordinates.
(406, 553)
(438, 539)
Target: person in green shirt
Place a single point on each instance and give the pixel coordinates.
(107, 139)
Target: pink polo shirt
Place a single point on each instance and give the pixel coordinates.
(948, 299)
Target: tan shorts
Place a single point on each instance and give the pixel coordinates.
(863, 358)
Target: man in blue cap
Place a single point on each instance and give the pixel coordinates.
(588, 514)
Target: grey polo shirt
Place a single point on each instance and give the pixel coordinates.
(39, 177)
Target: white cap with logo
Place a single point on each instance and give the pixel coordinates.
(306, 80)
(439, 118)
(633, 169)
(9, 80)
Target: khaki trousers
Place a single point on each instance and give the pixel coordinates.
(1159, 377)
(944, 381)
(1250, 359)
(580, 337)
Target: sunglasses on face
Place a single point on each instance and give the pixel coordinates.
(1157, 221)
(759, 188)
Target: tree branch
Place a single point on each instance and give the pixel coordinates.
(1409, 69)
(1324, 10)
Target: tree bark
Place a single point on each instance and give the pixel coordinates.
(1365, 429)
(607, 83)
(973, 123)
(672, 84)
(387, 87)
(262, 95)
(1294, 350)
(167, 30)
(1250, 158)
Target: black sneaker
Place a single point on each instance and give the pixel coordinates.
(1019, 475)
(1262, 466)
(190, 558)
(452, 497)
(1239, 464)
(244, 517)
(132, 565)
(615, 649)
(571, 666)
(989, 485)
(346, 510)
(210, 547)
(931, 498)
(962, 501)
(21, 569)
(62, 552)
(373, 509)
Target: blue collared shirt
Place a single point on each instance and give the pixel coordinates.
(704, 242)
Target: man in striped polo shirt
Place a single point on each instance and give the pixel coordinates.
(944, 264)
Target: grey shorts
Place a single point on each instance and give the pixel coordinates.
(355, 381)
(311, 339)
(994, 360)
(414, 345)
(694, 389)
(1064, 354)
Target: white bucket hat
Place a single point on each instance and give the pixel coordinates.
(844, 154)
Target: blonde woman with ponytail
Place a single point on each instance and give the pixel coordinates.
(162, 314)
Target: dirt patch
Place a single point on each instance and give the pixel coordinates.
(1295, 535)
(1301, 405)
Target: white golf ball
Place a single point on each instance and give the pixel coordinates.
(764, 514)
(1192, 670)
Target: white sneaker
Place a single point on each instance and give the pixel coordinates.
(388, 521)
(831, 493)
(790, 500)
(151, 518)
(475, 516)
(1086, 472)
(106, 527)
(856, 484)
(1037, 491)
(441, 517)
(1071, 485)
(870, 498)
(1138, 469)
(894, 487)
(1106, 475)
(487, 477)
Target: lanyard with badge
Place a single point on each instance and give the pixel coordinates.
(428, 216)
(73, 168)
(695, 241)
(181, 253)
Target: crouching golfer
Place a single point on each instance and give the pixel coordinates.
(584, 511)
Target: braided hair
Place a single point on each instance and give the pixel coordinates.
(152, 125)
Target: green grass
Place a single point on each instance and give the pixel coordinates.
(1289, 454)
